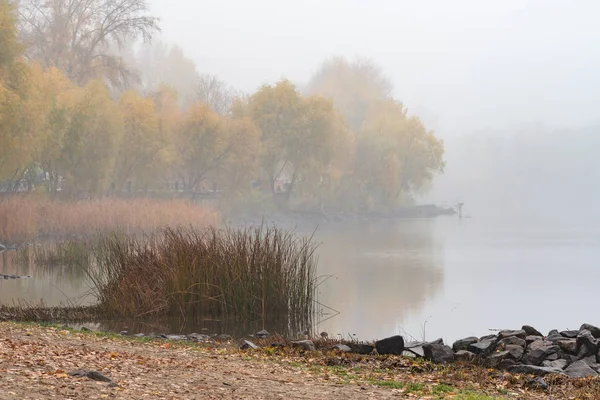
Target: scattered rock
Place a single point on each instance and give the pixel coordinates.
(225, 337)
(531, 331)
(483, 348)
(177, 337)
(415, 348)
(246, 344)
(304, 344)
(508, 333)
(595, 331)
(533, 370)
(537, 383)
(93, 375)
(579, 369)
(391, 345)
(198, 337)
(139, 335)
(262, 334)
(463, 344)
(557, 364)
(568, 346)
(495, 359)
(85, 329)
(438, 353)
(342, 347)
(124, 333)
(112, 385)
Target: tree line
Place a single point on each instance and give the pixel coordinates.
(75, 111)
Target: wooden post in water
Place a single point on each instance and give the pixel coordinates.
(459, 206)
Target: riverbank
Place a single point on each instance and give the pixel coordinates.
(35, 362)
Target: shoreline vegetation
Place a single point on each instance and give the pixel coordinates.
(144, 367)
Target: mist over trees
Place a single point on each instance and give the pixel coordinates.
(84, 110)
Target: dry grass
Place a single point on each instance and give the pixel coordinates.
(256, 274)
(26, 218)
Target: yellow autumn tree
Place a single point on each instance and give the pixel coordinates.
(91, 141)
(141, 153)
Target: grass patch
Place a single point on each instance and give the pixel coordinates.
(255, 274)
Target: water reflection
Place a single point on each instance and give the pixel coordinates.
(54, 285)
(382, 272)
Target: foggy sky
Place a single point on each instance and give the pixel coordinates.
(462, 64)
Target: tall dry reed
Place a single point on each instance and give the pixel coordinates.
(256, 274)
(27, 217)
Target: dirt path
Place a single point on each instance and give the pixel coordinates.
(34, 362)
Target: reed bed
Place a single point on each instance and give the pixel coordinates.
(254, 274)
(24, 218)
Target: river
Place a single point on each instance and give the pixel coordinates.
(422, 278)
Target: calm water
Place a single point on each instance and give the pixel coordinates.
(444, 278)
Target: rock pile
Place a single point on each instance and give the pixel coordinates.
(572, 353)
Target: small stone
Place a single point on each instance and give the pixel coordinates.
(464, 355)
(324, 335)
(482, 348)
(224, 337)
(533, 370)
(595, 331)
(307, 345)
(124, 333)
(139, 335)
(537, 383)
(391, 345)
(342, 347)
(505, 334)
(112, 385)
(579, 369)
(262, 334)
(85, 329)
(246, 344)
(531, 331)
(463, 344)
(176, 337)
(438, 353)
(277, 344)
(558, 364)
(198, 337)
(93, 375)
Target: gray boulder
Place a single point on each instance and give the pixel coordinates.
(569, 334)
(579, 369)
(557, 364)
(391, 345)
(587, 345)
(262, 334)
(463, 344)
(342, 347)
(359, 348)
(515, 351)
(539, 351)
(482, 348)
(531, 331)
(568, 346)
(531, 339)
(512, 340)
(246, 344)
(508, 333)
(438, 353)
(595, 331)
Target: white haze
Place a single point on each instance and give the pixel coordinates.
(512, 86)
